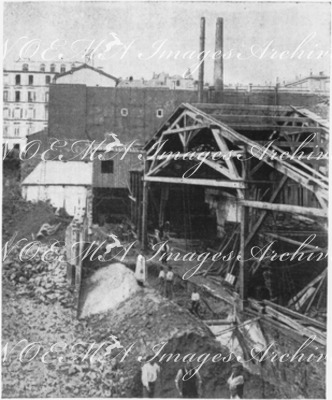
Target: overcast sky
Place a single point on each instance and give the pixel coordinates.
(251, 32)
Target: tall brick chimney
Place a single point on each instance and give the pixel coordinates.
(201, 58)
(219, 62)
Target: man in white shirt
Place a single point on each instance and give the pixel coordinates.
(161, 279)
(140, 271)
(150, 373)
(195, 302)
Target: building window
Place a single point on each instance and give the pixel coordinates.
(17, 79)
(30, 97)
(17, 113)
(46, 97)
(6, 112)
(177, 83)
(5, 95)
(30, 79)
(160, 113)
(107, 167)
(62, 68)
(52, 67)
(124, 112)
(6, 131)
(17, 132)
(34, 114)
(17, 96)
(42, 68)
(21, 114)
(47, 79)
(25, 67)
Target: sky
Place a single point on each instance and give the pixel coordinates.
(263, 41)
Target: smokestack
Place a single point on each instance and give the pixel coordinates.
(201, 58)
(219, 61)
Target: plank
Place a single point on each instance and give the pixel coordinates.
(296, 315)
(295, 242)
(310, 284)
(311, 211)
(196, 181)
(264, 213)
(295, 325)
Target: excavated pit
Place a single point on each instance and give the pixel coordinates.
(148, 322)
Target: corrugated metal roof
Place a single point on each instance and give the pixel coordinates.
(61, 173)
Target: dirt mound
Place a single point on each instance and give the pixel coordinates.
(26, 218)
(107, 288)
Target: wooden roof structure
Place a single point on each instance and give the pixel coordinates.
(237, 129)
(235, 147)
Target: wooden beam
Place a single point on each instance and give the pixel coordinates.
(264, 213)
(268, 127)
(294, 242)
(185, 129)
(244, 228)
(217, 134)
(296, 315)
(197, 155)
(196, 181)
(144, 232)
(292, 143)
(310, 211)
(260, 118)
(294, 299)
(246, 107)
(223, 170)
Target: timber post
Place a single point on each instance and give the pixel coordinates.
(144, 208)
(244, 224)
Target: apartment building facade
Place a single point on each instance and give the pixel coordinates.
(25, 98)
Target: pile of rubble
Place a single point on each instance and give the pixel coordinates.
(44, 281)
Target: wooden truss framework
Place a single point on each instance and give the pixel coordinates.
(224, 122)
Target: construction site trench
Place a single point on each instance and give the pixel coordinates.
(41, 310)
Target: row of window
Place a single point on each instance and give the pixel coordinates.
(17, 113)
(17, 131)
(32, 96)
(42, 68)
(159, 113)
(18, 80)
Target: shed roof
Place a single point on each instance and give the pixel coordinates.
(71, 173)
(86, 66)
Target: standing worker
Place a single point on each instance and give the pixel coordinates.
(161, 283)
(195, 302)
(169, 283)
(188, 382)
(140, 271)
(150, 374)
(236, 382)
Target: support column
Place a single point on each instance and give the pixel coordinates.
(145, 209)
(244, 230)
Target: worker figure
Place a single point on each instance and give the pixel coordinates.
(150, 374)
(164, 250)
(188, 382)
(140, 271)
(161, 281)
(169, 283)
(236, 382)
(195, 302)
